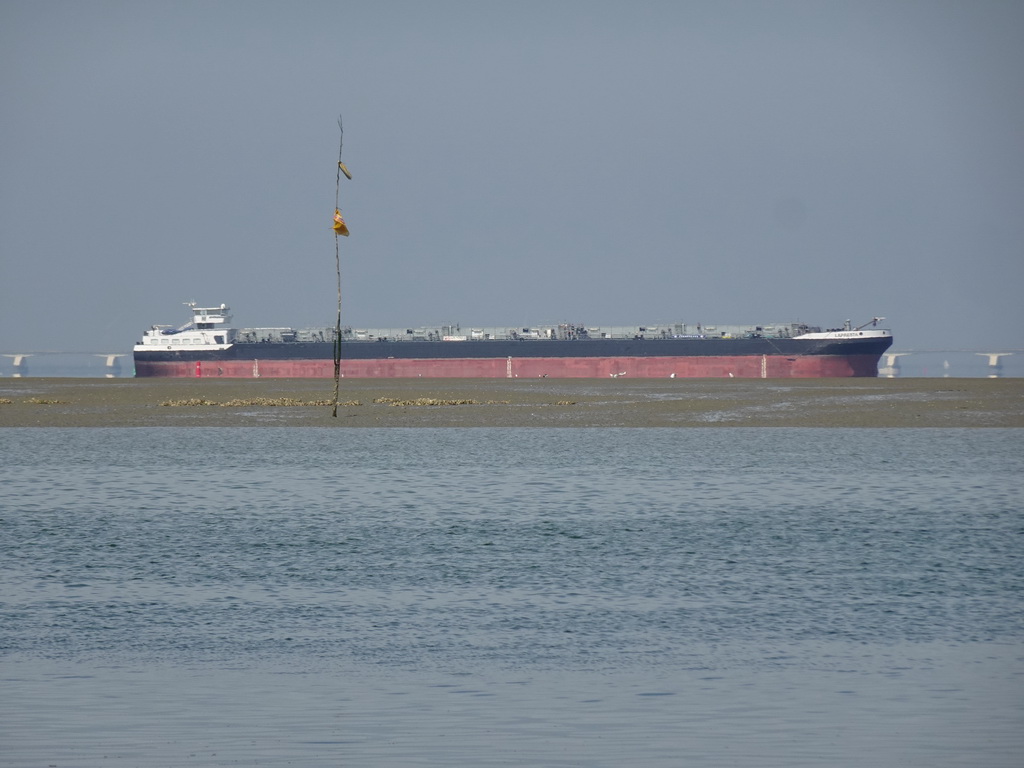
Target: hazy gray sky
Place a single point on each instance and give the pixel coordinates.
(514, 163)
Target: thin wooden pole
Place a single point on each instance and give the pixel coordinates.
(337, 331)
(337, 267)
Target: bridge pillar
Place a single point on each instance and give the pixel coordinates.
(891, 369)
(20, 365)
(995, 366)
(113, 365)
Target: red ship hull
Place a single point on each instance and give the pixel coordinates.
(740, 366)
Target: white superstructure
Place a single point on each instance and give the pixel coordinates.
(208, 329)
(849, 332)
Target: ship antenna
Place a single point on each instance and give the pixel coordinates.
(339, 229)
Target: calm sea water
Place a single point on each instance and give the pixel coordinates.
(478, 597)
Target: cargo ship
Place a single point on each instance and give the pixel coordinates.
(209, 346)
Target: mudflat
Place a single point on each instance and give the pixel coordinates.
(63, 402)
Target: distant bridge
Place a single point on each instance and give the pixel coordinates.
(20, 360)
(889, 365)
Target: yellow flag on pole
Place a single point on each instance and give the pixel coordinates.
(339, 224)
